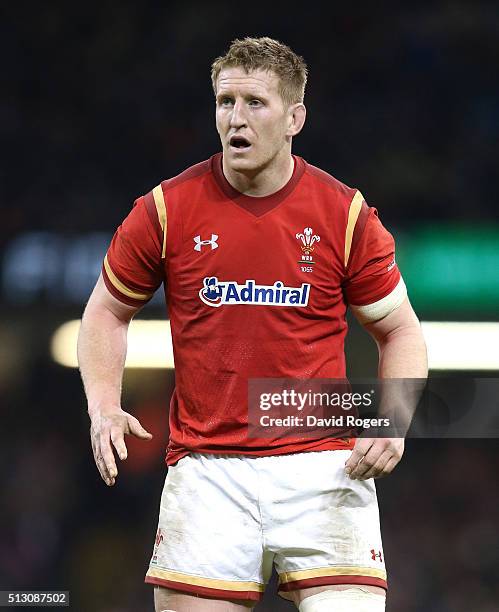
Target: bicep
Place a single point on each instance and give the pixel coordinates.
(402, 318)
(102, 301)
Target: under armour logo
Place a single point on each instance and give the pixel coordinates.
(375, 554)
(201, 243)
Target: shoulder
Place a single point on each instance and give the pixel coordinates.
(326, 182)
(193, 173)
(158, 199)
(345, 204)
(185, 178)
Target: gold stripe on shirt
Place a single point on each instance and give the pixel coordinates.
(117, 284)
(353, 215)
(159, 200)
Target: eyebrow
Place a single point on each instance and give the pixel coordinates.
(247, 96)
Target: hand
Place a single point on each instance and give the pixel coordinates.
(374, 457)
(111, 426)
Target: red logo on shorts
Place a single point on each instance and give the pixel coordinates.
(157, 541)
(159, 538)
(375, 555)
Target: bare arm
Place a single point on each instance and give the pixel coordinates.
(402, 354)
(401, 346)
(102, 344)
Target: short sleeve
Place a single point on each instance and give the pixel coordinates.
(372, 275)
(133, 267)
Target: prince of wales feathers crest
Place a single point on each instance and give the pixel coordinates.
(308, 239)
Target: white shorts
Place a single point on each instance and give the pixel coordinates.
(225, 519)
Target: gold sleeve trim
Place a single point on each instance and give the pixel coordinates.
(121, 287)
(353, 215)
(332, 571)
(213, 583)
(159, 200)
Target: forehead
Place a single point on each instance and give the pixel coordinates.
(256, 81)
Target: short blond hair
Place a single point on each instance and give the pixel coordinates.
(266, 54)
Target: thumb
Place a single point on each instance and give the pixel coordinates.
(136, 429)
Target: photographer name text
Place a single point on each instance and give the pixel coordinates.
(313, 421)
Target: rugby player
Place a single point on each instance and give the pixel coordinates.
(260, 254)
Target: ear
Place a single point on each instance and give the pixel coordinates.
(296, 118)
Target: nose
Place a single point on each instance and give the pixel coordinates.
(238, 115)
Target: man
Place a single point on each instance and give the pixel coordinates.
(247, 301)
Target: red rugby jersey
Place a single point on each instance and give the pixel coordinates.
(255, 287)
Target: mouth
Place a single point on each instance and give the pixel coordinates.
(239, 144)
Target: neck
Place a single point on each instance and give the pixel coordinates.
(263, 181)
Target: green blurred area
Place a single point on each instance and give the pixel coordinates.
(451, 269)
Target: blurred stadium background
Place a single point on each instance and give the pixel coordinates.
(103, 100)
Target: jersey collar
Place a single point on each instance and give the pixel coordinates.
(257, 206)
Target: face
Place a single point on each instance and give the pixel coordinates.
(252, 120)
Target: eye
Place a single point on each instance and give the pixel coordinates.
(255, 102)
(225, 101)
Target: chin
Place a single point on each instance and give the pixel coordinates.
(241, 164)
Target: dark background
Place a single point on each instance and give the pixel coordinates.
(101, 101)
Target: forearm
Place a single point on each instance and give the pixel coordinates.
(102, 345)
(402, 354)
(403, 370)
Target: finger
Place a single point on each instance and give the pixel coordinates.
(119, 442)
(362, 445)
(389, 467)
(376, 469)
(99, 461)
(369, 460)
(107, 454)
(101, 466)
(136, 429)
